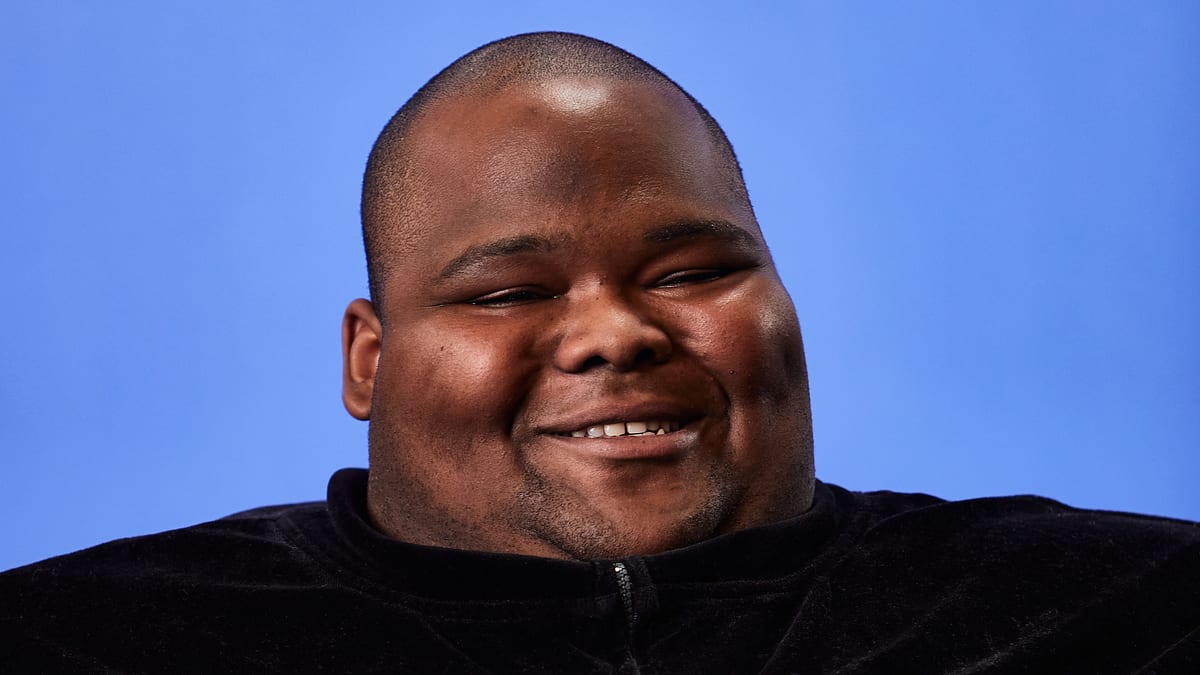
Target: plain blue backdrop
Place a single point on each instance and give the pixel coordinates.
(985, 212)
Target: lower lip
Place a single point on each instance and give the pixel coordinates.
(650, 446)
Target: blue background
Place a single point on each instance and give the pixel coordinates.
(985, 212)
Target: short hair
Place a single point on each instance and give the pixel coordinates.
(518, 59)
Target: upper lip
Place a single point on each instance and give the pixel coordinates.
(622, 411)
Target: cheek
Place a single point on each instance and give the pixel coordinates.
(751, 343)
(752, 348)
(466, 385)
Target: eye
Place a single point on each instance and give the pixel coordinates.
(688, 277)
(510, 297)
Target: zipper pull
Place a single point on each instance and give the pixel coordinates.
(625, 586)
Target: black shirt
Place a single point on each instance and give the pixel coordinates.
(863, 583)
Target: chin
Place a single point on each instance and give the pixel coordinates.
(594, 533)
(593, 545)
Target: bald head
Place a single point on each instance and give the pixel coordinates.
(389, 200)
(561, 249)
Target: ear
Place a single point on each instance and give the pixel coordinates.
(362, 338)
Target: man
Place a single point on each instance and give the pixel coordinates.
(591, 448)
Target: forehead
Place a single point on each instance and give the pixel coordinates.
(551, 103)
(545, 131)
(574, 152)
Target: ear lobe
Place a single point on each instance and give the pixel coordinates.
(362, 339)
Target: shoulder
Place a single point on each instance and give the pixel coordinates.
(1023, 525)
(160, 582)
(213, 546)
(1022, 542)
(1018, 580)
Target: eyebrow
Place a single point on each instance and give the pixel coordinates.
(687, 229)
(477, 255)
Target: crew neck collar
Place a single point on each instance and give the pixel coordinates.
(757, 554)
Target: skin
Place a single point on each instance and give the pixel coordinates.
(574, 255)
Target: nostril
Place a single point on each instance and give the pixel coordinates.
(593, 362)
(646, 355)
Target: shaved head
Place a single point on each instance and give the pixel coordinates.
(577, 345)
(387, 201)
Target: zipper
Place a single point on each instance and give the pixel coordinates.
(625, 587)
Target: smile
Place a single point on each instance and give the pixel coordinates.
(648, 428)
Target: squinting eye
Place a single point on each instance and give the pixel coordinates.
(510, 297)
(691, 277)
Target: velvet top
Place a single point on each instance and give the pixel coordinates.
(863, 583)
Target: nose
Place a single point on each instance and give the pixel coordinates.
(603, 328)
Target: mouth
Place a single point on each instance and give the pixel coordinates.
(633, 428)
(654, 438)
(619, 429)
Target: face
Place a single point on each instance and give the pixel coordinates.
(585, 350)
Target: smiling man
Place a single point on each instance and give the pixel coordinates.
(591, 448)
(578, 346)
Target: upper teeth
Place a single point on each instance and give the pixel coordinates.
(652, 427)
